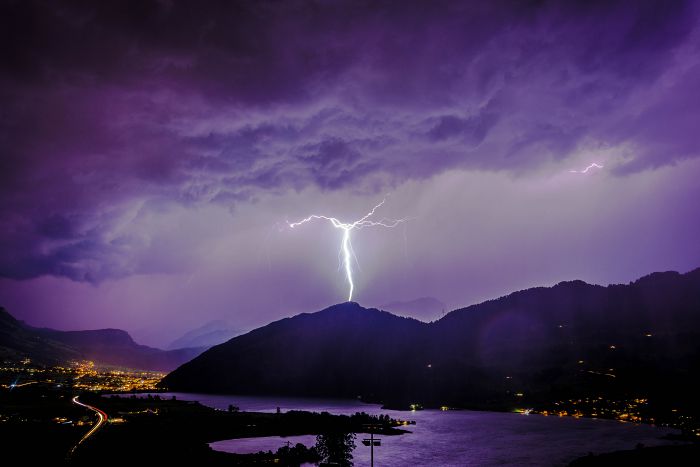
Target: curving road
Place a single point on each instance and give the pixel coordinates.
(101, 420)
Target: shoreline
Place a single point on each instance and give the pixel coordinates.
(145, 426)
(403, 407)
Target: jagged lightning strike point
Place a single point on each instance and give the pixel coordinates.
(592, 166)
(346, 251)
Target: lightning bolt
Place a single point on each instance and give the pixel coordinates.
(592, 166)
(346, 251)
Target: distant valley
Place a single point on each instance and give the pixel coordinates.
(113, 347)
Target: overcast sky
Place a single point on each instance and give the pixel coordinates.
(152, 152)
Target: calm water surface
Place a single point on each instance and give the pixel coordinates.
(451, 438)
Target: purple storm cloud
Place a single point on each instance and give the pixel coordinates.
(151, 150)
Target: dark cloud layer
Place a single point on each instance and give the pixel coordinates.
(110, 109)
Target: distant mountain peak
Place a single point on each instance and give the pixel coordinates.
(103, 337)
(345, 306)
(345, 311)
(210, 334)
(355, 310)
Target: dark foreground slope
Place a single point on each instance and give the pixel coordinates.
(569, 340)
(103, 346)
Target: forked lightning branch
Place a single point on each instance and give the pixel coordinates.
(346, 251)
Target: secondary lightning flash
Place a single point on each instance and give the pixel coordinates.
(592, 166)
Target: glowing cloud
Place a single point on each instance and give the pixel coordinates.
(346, 250)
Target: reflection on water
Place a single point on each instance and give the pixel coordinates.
(453, 437)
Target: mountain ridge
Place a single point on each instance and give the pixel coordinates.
(422, 308)
(484, 352)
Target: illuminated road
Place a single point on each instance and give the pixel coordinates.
(101, 419)
(18, 385)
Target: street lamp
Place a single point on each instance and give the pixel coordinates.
(371, 441)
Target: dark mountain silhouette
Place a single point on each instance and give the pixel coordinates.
(330, 348)
(212, 333)
(572, 339)
(17, 342)
(104, 346)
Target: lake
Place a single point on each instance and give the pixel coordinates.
(453, 437)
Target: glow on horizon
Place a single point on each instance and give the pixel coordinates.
(592, 166)
(346, 249)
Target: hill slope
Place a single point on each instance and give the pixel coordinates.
(104, 346)
(329, 347)
(18, 342)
